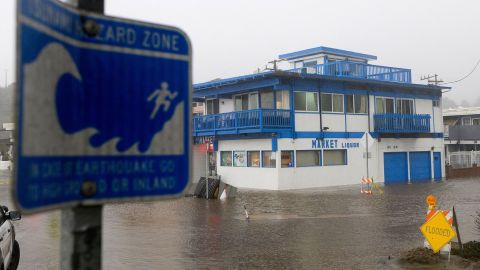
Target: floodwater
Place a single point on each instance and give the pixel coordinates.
(335, 228)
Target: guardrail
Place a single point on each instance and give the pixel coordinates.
(402, 123)
(359, 70)
(249, 119)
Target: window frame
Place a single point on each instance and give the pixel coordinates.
(319, 153)
(262, 161)
(478, 119)
(354, 98)
(292, 158)
(469, 119)
(273, 92)
(282, 102)
(332, 150)
(231, 159)
(401, 105)
(248, 101)
(333, 102)
(212, 100)
(385, 104)
(259, 159)
(306, 104)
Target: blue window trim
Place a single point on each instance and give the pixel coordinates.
(318, 105)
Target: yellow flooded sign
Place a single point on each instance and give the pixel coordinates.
(437, 231)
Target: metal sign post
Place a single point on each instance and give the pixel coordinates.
(81, 227)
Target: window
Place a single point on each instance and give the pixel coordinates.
(476, 121)
(310, 64)
(266, 99)
(436, 103)
(466, 121)
(334, 157)
(356, 103)
(404, 106)
(326, 102)
(306, 101)
(246, 102)
(287, 159)
(283, 100)
(239, 159)
(252, 101)
(226, 158)
(298, 64)
(268, 159)
(253, 158)
(332, 103)
(306, 158)
(384, 105)
(212, 106)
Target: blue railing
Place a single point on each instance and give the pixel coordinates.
(359, 70)
(402, 123)
(233, 122)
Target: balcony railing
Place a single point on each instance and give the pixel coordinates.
(402, 123)
(464, 132)
(242, 122)
(359, 71)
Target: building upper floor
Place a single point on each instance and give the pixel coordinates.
(341, 63)
(290, 103)
(462, 123)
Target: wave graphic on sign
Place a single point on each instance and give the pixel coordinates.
(62, 121)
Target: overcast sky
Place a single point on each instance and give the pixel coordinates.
(232, 38)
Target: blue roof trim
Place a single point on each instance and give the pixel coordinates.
(233, 80)
(327, 50)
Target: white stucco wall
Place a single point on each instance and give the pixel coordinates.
(335, 122)
(357, 123)
(199, 157)
(226, 105)
(438, 119)
(307, 122)
(319, 176)
(248, 177)
(424, 106)
(322, 176)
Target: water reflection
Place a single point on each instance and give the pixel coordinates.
(327, 228)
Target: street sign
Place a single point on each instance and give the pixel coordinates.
(437, 231)
(103, 108)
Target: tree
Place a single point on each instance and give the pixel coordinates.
(448, 103)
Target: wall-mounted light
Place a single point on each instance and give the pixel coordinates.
(325, 128)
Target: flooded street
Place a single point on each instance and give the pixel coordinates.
(323, 228)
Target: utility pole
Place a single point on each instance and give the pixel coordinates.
(429, 78)
(81, 233)
(274, 63)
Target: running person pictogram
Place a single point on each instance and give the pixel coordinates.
(162, 96)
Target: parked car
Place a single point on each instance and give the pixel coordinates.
(10, 250)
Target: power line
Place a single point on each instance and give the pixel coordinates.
(466, 76)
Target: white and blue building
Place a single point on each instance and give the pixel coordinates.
(330, 119)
